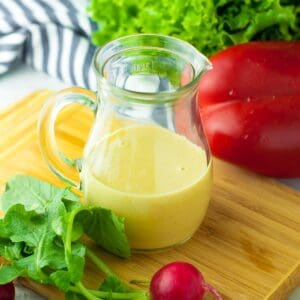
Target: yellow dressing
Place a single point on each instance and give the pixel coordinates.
(158, 180)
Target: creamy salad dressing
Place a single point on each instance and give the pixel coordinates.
(158, 180)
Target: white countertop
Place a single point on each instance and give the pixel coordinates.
(21, 81)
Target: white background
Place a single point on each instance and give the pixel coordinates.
(20, 82)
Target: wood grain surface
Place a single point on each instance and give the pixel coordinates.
(248, 246)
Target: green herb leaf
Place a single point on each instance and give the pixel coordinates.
(74, 296)
(24, 226)
(11, 250)
(61, 279)
(9, 272)
(34, 194)
(76, 267)
(34, 230)
(113, 284)
(44, 250)
(40, 232)
(106, 229)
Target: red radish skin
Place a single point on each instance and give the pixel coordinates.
(180, 281)
(7, 291)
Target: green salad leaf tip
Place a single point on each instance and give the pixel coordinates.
(210, 25)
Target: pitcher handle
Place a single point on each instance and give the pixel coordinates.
(63, 167)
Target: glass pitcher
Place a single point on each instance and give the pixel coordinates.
(146, 158)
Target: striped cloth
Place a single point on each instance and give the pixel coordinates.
(52, 36)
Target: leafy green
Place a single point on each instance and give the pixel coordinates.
(61, 279)
(34, 194)
(58, 205)
(40, 237)
(104, 228)
(210, 25)
(113, 284)
(9, 273)
(74, 296)
(34, 231)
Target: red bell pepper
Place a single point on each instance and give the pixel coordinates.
(250, 107)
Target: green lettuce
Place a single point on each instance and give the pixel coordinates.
(210, 25)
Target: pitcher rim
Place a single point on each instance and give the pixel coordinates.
(164, 96)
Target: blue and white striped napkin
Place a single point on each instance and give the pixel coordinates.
(52, 36)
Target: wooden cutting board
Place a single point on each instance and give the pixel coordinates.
(248, 246)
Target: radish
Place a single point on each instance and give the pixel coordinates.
(7, 291)
(180, 281)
